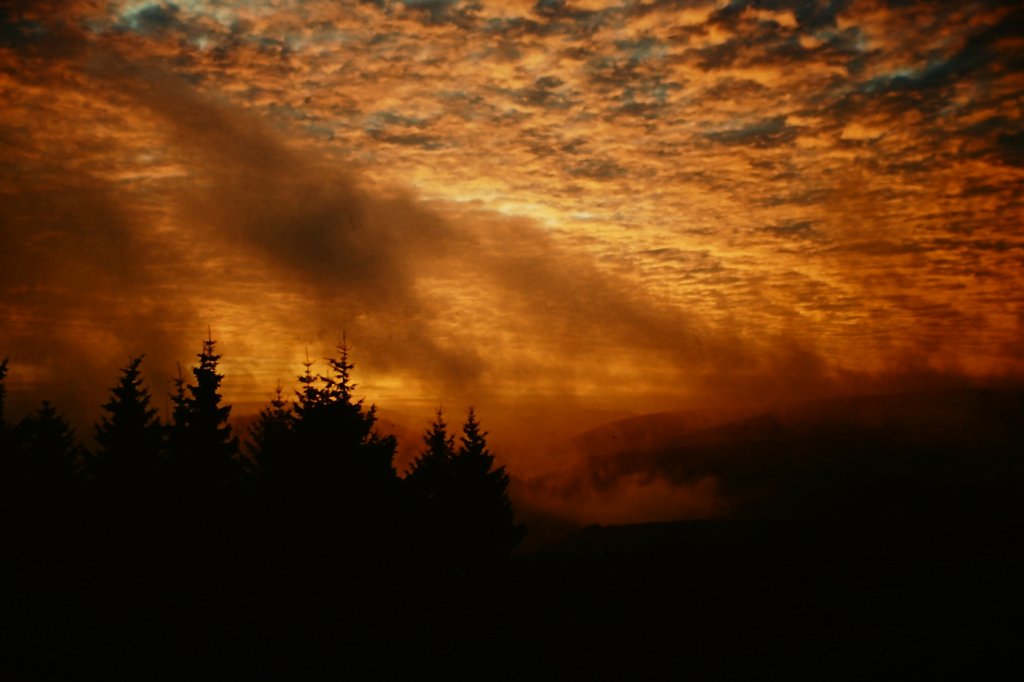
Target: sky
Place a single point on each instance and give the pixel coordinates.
(595, 207)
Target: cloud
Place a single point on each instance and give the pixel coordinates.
(796, 229)
(764, 133)
(659, 199)
(155, 19)
(83, 289)
(251, 219)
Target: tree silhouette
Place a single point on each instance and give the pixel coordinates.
(208, 418)
(486, 518)
(327, 488)
(429, 487)
(318, 533)
(327, 525)
(430, 476)
(130, 436)
(336, 435)
(49, 453)
(310, 396)
(177, 428)
(461, 500)
(202, 448)
(270, 437)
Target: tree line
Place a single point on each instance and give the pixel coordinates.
(307, 508)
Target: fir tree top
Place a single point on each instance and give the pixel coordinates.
(203, 449)
(473, 440)
(440, 446)
(132, 423)
(204, 405)
(434, 463)
(338, 385)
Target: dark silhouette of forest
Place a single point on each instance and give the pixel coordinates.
(302, 519)
(179, 549)
(314, 480)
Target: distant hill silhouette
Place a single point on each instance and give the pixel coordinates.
(947, 452)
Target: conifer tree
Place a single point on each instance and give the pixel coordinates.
(336, 434)
(49, 451)
(309, 397)
(351, 424)
(203, 450)
(430, 475)
(473, 455)
(463, 510)
(177, 427)
(207, 416)
(338, 384)
(270, 436)
(336, 485)
(130, 436)
(486, 514)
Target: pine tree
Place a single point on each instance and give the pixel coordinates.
(333, 494)
(335, 434)
(430, 475)
(352, 425)
(310, 396)
(177, 429)
(338, 384)
(473, 455)
(207, 416)
(130, 436)
(49, 451)
(203, 450)
(485, 511)
(461, 502)
(271, 435)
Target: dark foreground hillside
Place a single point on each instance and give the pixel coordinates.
(782, 600)
(700, 601)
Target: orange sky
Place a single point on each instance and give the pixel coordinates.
(612, 205)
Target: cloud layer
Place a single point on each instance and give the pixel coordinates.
(615, 203)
